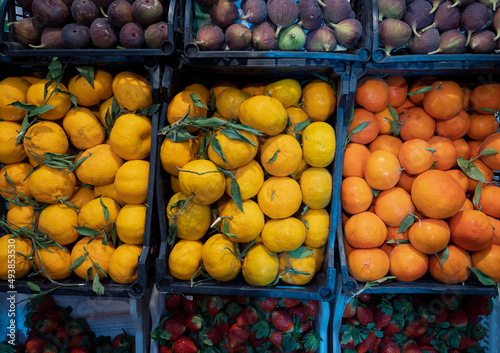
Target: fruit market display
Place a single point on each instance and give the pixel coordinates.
(289, 25)
(446, 27)
(413, 323)
(237, 324)
(248, 169)
(75, 174)
(101, 24)
(418, 194)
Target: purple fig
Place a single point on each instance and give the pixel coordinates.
(483, 42)
(451, 42)
(475, 18)
(283, 13)
(132, 36)
(156, 34)
(310, 14)
(84, 11)
(254, 11)
(446, 17)
(492, 4)
(147, 12)
(50, 12)
(292, 38)
(347, 32)
(435, 4)
(27, 31)
(224, 13)
(238, 37)
(103, 34)
(335, 11)
(210, 37)
(264, 36)
(75, 36)
(51, 39)
(391, 9)
(417, 15)
(321, 39)
(427, 42)
(205, 3)
(496, 24)
(120, 13)
(393, 34)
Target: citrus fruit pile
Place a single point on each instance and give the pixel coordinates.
(248, 169)
(418, 194)
(75, 173)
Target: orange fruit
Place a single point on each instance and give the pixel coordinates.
(445, 154)
(429, 235)
(488, 261)
(365, 230)
(355, 194)
(445, 101)
(393, 206)
(407, 263)
(279, 197)
(468, 205)
(386, 142)
(481, 126)
(372, 93)
(132, 91)
(455, 127)
(367, 265)
(406, 181)
(370, 132)
(467, 92)
(454, 270)
(355, 156)
(490, 201)
(398, 89)
(382, 170)
(348, 248)
(200, 89)
(471, 230)
(422, 82)
(18, 175)
(495, 223)
(318, 100)
(474, 146)
(485, 99)
(492, 141)
(280, 155)
(219, 86)
(462, 147)
(182, 103)
(460, 177)
(416, 124)
(487, 172)
(237, 153)
(10, 152)
(384, 119)
(316, 186)
(296, 116)
(406, 105)
(254, 88)
(437, 194)
(387, 248)
(415, 156)
(393, 234)
(13, 89)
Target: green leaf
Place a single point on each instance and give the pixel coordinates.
(217, 148)
(407, 223)
(487, 152)
(470, 169)
(203, 146)
(212, 101)
(99, 268)
(434, 164)
(88, 73)
(274, 157)
(446, 254)
(304, 210)
(33, 287)
(197, 101)
(104, 209)
(477, 195)
(489, 110)
(236, 194)
(299, 253)
(25, 106)
(482, 277)
(89, 273)
(86, 232)
(234, 134)
(179, 135)
(8, 179)
(360, 127)
(246, 128)
(422, 90)
(77, 263)
(149, 111)
(74, 100)
(302, 126)
(97, 287)
(172, 232)
(430, 149)
(32, 109)
(55, 70)
(375, 192)
(306, 223)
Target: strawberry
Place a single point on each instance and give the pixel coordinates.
(428, 349)
(383, 315)
(282, 320)
(62, 334)
(276, 338)
(478, 332)
(50, 349)
(227, 299)
(53, 314)
(123, 340)
(414, 329)
(194, 322)
(473, 318)
(189, 305)
(78, 326)
(311, 307)
(364, 315)
(426, 338)
(44, 303)
(458, 318)
(179, 316)
(209, 336)
(237, 335)
(350, 308)
(466, 342)
(350, 336)
(184, 344)
(410, 347)
(173, 329)
(165, 349)
(248, 316)
(350, 321)
(33, 332)
(365, 298)
(289, 303)
(241, 300)
(452, 301)
(388, 346)
(36, 345)
(261, 343)
(221, 323)
(173, 301)
(267, 304)
(46, 326)
(213, 305)
(395, 326)
(33, 319)
(80, 349)
(76, 341)
(233, 310)
(479, 304)
(300, 312)
(305, 327)
(370, 343)
(311, 342)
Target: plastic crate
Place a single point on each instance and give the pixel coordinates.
(426, 284)
(151, 242)
(10, 46)
(360, 52)
(321, 286)
(158, 310)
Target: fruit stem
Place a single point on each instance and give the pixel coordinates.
(249, 14)
(415, 32)
(321, 3)
(469, 34)
(380, 17)
(278, 29)
(433, 25)
(11, 23)
(439, 50)
(200, 42)
(37, 46)
(102, 11)
(326, 47)
(497, 36)
(333, 25)
(455, 4)
(434, 8)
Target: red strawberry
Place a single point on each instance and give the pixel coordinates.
(370, 343)
(300, 312)
(213, 305)
(473, 318)
(479, 304)
(80, 349)
(50, 349)
(312, 308)
(78, 326)
(428, 349)
(241, 300)
(349, 336)
(410, 347)
(45, 303)
(267, 304)
(237, 335)
(184, 345)
(179, 316)
(209, 336)
(53, 314)
(364, 315)
(36, 345)
(276, 338)
(32, 320)
(282, 320)
(248, 316)
(165, 349)
(452, 301)
(305, 327)
(350, 321)
(233, 310)
(383, 315)
(62, 334)
(76, 341)
(290, 303)
(311, 342)
(388, 346)
(194, 322)
(221, 323)
(350, 308)
(365, 298)
(173, 329)
(458, 318)
(394, 326)
(426, 338)
(478, 332)
(47, 326)
(466, 342)
(414, 329)
(173, 301)
(189, 305)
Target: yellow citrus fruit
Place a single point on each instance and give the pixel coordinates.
(285, 234)
(21, 216)
(219, 86)
(175, 155)
(254, 88)
(318, 100)
(53, 262)
(93, 214)
(199, 89)
(13, 89)
(21, 249)
(316, 186)
(15, 173)
(305, 264)
(279, 197)
(132, 91)
(184, 259)
(318, 144)
(249, 177)
(131, 136)
(182, 103)
(228, 103)
(202, 178)
(130, 224)
(108, 191)
(317, 224)
(100, 166)
(281, 155)
(219, 258)
(192, 222)
(236, 153)
(81, 196)
(104, 108)
(287, 91)
(131, 181)
(33, 77)
(296, 116)
(9, 151)
(58, 222)
(246, 225)
(87, 95)
(49, 185)
(260, 266)
(319, 255)
(97, 251)
(42, 137)
(265, 114)
(124, 263)
(60, 101)
(297, 173)
(83, 128)
(174, 184)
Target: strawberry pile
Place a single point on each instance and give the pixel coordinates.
(417, 323)
(226, 324)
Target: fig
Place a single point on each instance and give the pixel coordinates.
(483, 42)
(27, 31)
(474, 18)
(283, 13)
(321, 39)
(156, 34)
(391, 9)
(205, 3)
(75, 36)
(427, 42)
(254, 11)
(445, 18)
(310, 14)
(147, 12)
(393, 34)
(335, 11)
(238, 37)
(120, 13)
(84, 11)
(435, 4)
(224, 13)
(263, 36)
(50, 12)
(492, 4)
(451, 42)
(50, 39)
(132, 36)
(417, 15)
(496, 24)
(347, 32)
(209, 37)
(103, 34)
(292, 38)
